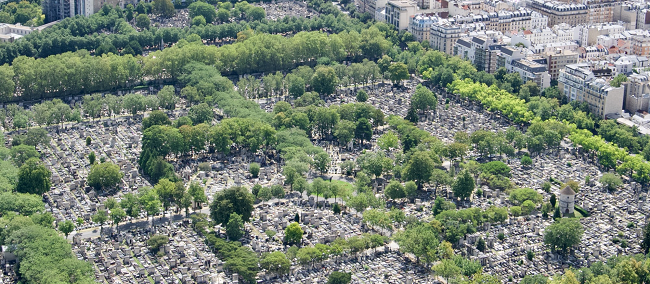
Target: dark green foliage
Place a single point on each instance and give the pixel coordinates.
(337, 277)
(155, 242)
(232, 200)
(33, 177)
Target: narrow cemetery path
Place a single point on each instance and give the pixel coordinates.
(94, 232)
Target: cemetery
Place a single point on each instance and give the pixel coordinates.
(322, 156)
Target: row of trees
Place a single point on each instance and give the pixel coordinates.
(30, 231)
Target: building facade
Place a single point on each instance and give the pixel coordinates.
(399, 13)
(579, 83)
(558, 12)
(558, 60)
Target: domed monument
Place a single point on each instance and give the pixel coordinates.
(567, 200)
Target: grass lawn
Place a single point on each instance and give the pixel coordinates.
(347, 187)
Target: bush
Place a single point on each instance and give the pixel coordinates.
(582, 211)
(515, 211)
(205, 167)
(501, 236)
(526, 161)
(254, 169)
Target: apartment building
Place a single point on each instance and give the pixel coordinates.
(444, 34)
(637, 93)
(558, 12)
(587, 35)
(398, 13)
(558, 60)
(601, 11)
(579, 83)
(640, 44)
(530, 68)
(420, 26)
(481, 50)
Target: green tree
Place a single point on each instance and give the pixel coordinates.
(322, 162)
(645, 243)
(423, 99)
(293, 233)
(117, 215)
(363, 130)
(464, 185)
(388, 140)
(100, 218)
(232, 200)
(526, 161)
(398, 71)
(206, 10)
(164, 8)
(362, 96)
(34, 178)
(104, 175)
(150, 202)
(156, 117)
(254, 169)
(324, 80)
(563, 234)
(419, 168)
(611, 181)
(337, 277)
(223, 15)
(198, 194)
(142, 21)
(480, 245)
(235, 227)
(616, 82)
(66, 227)
(394, 190)
(276, 262)
(155, 242)
(447, 269)
(198, 21)
(21, 153)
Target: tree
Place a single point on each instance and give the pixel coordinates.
(104, 175)
(464, 185)
(223, 15)
(33, 177)
(91, 158)
(398, 71)
(616, 82)
(235, 227)
(423, 99)
(66, 227)
(201, 113)
(150, 202)
(88, 141)
(100, 218)
(164, 8)
(447, 269)
(363, 131)
(197, 193)
(265, 194)
(563, 234)
(419, 168)
(206, 10)
(21, 153)
(394, 190)
(388, 140)
(117, 215)
(439, 177)
(276, 262)
(142, 21)
(410, 189)
(480, 245)
(232, 200)
(362, 96)
(156, 117)
(337, 277)
(198, 21)
(322, 162)
(155, 242)
(8, 87)
(324, 80)
(611, 181)
(412, 115)
(526, 161)
(293, 233)
(254, 169)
